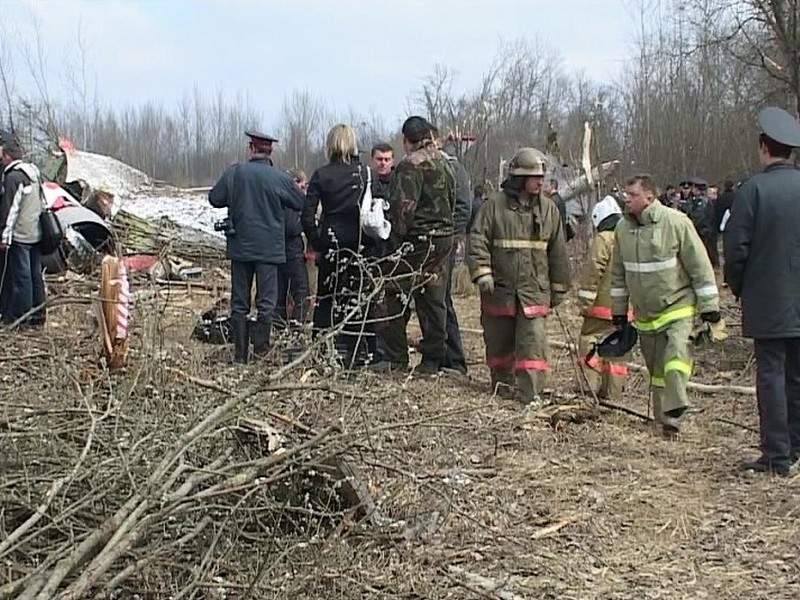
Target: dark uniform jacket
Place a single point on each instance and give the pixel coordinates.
(762, 252)
(698, 213)
(256, 194)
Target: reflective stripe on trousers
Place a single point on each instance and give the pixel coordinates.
(499, 310)
(665, 318)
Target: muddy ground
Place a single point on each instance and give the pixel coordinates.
(477, 499)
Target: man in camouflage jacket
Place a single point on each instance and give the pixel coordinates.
(421, 203)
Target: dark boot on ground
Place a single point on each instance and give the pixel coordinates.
(671, 422)
(241, 339)
(428, 367)
(765, 465)
(260, 335)
(503, 383)
(387, 366)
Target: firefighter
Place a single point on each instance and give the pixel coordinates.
(606, 378)
(518, 259)
(660, 265)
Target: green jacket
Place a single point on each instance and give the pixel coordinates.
(422, 195)
(524, 249)
(660, 265)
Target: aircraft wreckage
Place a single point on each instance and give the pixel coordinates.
(85, 192)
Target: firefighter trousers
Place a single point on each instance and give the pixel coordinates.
(517, 352)
(668, 356)
(604, 376)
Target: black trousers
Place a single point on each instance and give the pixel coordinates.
(293, 281)
(266, 277)
(453, 349)
(710, 242)
(778, 391)
(341, 283)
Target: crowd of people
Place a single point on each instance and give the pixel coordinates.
(649, 279)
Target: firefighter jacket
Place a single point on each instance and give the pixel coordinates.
(594, 294)
(524, 250)
(661, 266)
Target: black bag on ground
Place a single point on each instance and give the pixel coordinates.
(213, 328)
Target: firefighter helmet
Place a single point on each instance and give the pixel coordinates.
(605, 208)
(617, 343)
(527, 162)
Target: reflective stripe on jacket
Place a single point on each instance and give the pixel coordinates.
(524, 249)
(660, 265)
(594, 294)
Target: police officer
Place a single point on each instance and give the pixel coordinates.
(255, 194)
(761, 259)
(685, 200)
(698, 212)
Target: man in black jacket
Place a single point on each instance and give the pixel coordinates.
(761, 261)
(382, 159)
(550, 189)
(255, 194)
(293, 276)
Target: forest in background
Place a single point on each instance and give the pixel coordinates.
(683, 104)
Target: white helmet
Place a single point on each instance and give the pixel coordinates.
(605, 208)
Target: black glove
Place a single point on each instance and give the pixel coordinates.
(711, 317)
(619, 321)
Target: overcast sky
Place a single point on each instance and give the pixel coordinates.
(366, 53)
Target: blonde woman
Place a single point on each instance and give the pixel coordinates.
(336, 237)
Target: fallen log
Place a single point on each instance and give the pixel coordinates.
(703, 388)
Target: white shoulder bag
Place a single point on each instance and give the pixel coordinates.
(373, 218)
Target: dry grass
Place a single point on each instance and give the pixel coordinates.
(469, 486)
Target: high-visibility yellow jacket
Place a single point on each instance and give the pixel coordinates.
(594, 296)
(524, 249)
(660, 265)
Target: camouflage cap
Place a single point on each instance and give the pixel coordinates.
(526, 162)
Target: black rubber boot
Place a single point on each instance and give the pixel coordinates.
(241, 339)
(299, 316)
(260, 335)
